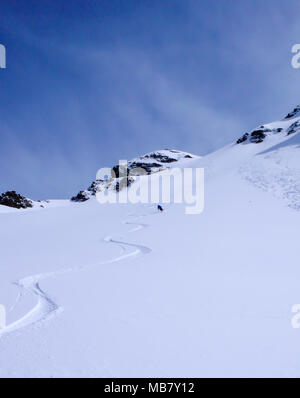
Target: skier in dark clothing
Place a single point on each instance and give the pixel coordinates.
(159, 208)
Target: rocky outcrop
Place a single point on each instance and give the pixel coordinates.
(294, 128)
(284, 127)
(123, 182)
(294, 113)
(258, 136)
(123, 175)
(142, 167)
(243, 138)
(80, 197)
(161, 158)
(13, 199)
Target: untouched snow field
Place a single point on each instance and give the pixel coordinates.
(122, 291)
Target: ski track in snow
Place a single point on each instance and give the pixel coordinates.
(46, 307)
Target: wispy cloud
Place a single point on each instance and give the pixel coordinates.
(81, 93)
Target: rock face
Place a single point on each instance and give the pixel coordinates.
(290, 125)
(243, 138)
(294, 128)
(258, 136)
(12, 199)
(80, 197)
(294, 113)
(123, 176)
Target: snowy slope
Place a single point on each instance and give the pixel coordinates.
(276, 166)
(120, 290)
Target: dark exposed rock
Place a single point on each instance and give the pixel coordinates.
(80, 197)
(243, 138)
(161, 158)
(124, 182)
(83, 196)
(294, 113)
(257, 136)
(146, 166)
(119, 171)
(294, 128)
(12, 199)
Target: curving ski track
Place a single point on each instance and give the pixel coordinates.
(46, 307)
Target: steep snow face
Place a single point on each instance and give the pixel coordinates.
(276, 169)
(273, 165)
(290, 125)
(152, 162)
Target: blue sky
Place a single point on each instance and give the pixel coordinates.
(91, 82)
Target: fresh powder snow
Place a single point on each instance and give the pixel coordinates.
(121, 290)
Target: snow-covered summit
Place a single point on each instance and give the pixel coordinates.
(165, 156)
